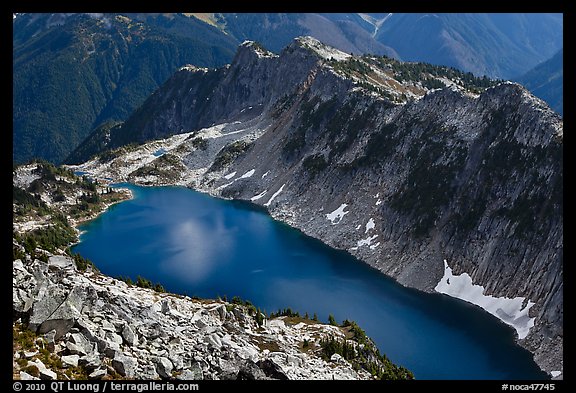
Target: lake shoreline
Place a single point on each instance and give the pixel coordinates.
(248, 204)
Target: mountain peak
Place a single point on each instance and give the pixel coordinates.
(319, 48)
(257, 48)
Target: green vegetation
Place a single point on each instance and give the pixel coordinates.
(259, 46)
(49, 171)
(32, 370)
(381, 145)
(310, 120)
(362, 353)
(295, 142)
(25, 203)
(331, 346)
(54, 232)
(82, 263)
(166, 166)
(51, 361)
(133, 59)
(258, 315)
(143, 283)
(50, 238)
(111, 154)
(199, 143)
(430, 181)
(26, 340)
(283, 104)
(285, 312)
(331, 320)
(427, 74)
(23, 339)
(358, 334)
(228, 154)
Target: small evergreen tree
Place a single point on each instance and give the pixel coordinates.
(331, 320)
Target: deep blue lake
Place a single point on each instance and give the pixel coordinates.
(195, 244)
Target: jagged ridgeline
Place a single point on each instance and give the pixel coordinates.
(404, 165)
(195, 95)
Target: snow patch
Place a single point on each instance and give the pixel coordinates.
(266, 174)
(230, 175)
(247, 174)
(274, 195)
(192, 68)
(510, 311)
(256, 197)
(260, 52)
(337, 214)
(555, 373)
(379, 201)
(358, 227)
(369, 225)
(366, 242)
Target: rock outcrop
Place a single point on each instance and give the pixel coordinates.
(91, 326)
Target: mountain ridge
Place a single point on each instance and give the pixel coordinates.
(385, 77)
(77, 91)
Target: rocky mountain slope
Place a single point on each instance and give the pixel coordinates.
(412, 168)
(71, 322)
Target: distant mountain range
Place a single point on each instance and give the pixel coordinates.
(74, 72)
(546, 80)
(498, 45)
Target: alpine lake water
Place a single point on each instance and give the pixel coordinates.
(203, 246)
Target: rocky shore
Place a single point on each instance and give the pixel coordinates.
(92, 326)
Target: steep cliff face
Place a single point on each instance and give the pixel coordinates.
(404, 165)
